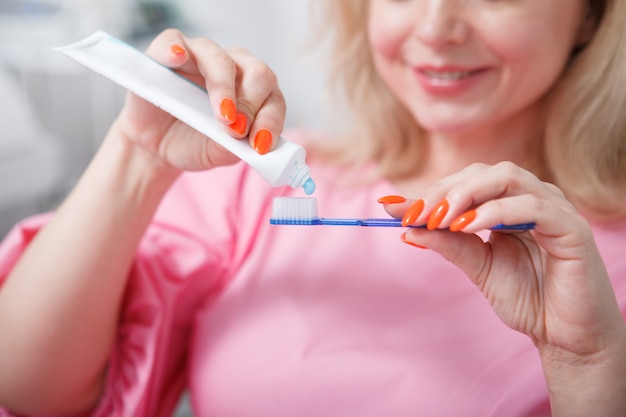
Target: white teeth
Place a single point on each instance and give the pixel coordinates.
(448, 75)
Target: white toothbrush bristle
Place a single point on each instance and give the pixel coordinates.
(294, 209)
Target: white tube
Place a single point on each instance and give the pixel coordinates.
(135, 71)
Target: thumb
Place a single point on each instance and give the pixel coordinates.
(467, 251)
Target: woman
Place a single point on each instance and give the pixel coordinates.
(147, 280)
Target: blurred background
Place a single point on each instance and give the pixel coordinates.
(54, 113)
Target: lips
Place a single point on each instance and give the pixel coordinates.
(448, 75)
(448, 80)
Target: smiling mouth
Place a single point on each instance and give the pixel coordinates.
(449, 75)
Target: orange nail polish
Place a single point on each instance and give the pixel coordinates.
(463, 220)
(228, 110)
(413, 213)
(391, 199)
(240, 125)
(408, 242)
(263, 141)
(437, 215)
(176, 49)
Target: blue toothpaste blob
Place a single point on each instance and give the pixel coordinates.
(309, 186)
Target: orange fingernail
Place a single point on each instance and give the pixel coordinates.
(176, 49)
(391, 199)
(413, 213)
(263, 141)
(228, 110)
(240, 125)
(463, 220)
(408, 242)
(437, 215)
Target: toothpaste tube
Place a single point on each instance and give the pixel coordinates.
(137, 72)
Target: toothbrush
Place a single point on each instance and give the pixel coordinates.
(302, 211)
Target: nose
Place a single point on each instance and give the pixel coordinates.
(442, 23)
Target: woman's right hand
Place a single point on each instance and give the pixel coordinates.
(243, 93)
(76, 264)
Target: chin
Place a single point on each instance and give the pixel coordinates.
(449, 127)
(439, 118)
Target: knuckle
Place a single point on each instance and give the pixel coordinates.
(219, 58)
(209, 52)
(477, 167)
(536, 203)
(238, 50)
(554, 189)
(584, 227)
(509, 170)
(172, 33)
(439, 188)
(278, 101)
(204, 43)
(270, 121)
(262, 74)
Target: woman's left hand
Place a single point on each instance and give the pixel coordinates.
(549, 283)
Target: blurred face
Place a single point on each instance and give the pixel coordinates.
(465, 64)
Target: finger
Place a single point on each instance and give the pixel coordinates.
(214, 69)
(238, 84)
(479, 183)
(561, 232)
(564, 234)
(257, 88)
(193, 151)
(467, 251)
(268, 123)
(396, 206)
(526, 208)
(169, 48)
(206, 64)
(439, 190)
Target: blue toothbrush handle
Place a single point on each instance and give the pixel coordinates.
(521, 226)
(382, 222)
(361, 222)
(398, 223)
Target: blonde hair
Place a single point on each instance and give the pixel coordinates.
(385, 131)
(585, 135)
(586, 125)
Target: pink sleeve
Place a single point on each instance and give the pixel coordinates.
(172, 273)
